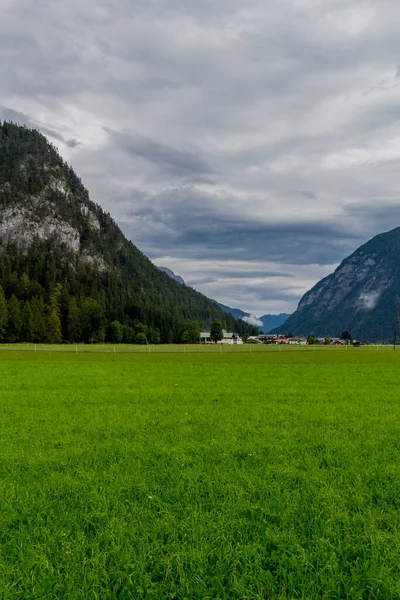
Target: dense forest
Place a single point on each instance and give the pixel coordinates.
(67, 272)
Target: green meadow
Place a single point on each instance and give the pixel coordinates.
(203, 474)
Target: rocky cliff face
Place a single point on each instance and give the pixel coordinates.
(52, 233)
(41, 199)
(362, 295)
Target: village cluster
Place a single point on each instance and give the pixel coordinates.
(232, 338)
(299, 341)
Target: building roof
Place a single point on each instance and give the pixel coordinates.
(227, 336)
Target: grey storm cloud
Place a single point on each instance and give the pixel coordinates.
(248, 145)
(200, 225)
(179, 162)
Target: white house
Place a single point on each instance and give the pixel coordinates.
(205, 337)
(229, 338)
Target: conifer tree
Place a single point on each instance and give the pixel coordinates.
(38, 319)
(3, 314)
(14, 323)
(55, 300)
(27, 323)
(25, 283)
(54, 327)
(74, 328)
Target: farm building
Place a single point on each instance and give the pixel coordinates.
(229, 338)
(255, 338)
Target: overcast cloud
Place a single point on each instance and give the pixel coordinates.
(248, 145)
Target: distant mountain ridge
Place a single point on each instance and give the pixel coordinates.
(272, 321)
(268, 321)
(362, 295)
(235, 312)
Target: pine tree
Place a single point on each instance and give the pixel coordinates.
(14, 323)
(38, 320)
(55, 300)
(27, 323)
(3, 314)
(26, 284)
(73, 328)
(54, 327)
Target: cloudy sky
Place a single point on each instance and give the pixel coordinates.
(249, 145)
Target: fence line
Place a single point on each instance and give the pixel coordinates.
(180, 348)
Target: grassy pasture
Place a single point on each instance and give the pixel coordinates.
(262, 475)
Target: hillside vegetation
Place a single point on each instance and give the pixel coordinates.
(67, 272)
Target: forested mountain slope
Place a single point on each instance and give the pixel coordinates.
(362, 295)
(271, 321)
(67, 271)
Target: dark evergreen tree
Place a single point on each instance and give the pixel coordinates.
(73, 327)
(3, 314)
(14, 323)
(128, 335)
(55, 299)
(216, 332)
(346, 336)
(92, 321)
(27, 322)
(39, 325)
(114, 333)
(154, 336)
(54, 335)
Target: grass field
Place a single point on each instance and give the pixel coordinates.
(262, 475)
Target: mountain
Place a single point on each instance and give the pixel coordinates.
(235, 312)
(172, 275)
(362, 295)
(66, 270)
(268, 321)
(271, 321)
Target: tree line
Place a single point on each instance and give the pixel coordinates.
(46, 298)
(64, 319)
(69, 321)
